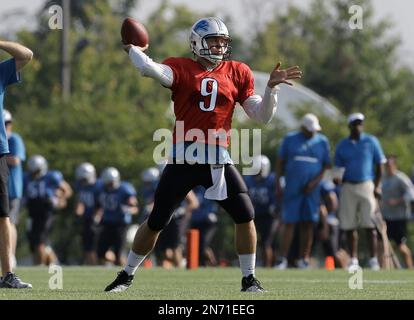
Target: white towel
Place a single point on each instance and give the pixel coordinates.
(218, 191)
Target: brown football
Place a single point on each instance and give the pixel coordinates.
(133, 32)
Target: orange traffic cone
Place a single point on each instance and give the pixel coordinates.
(329, 263)
(193, 242)
(147, 263)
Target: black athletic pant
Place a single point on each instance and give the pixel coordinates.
(179, 179)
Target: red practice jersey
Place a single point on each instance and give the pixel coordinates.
(206, 99)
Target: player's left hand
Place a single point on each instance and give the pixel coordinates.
(278, 76)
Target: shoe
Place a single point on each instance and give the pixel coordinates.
(12, 281)
(251, 284)
(281, 264)
(373, 264)
(353, 265)
(122, 282)
(302, 264)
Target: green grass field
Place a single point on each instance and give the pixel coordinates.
(214, 284)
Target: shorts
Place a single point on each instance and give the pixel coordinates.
(179, 179)
(111, 237)
(397, 230)
(4, 194)
(266, 229)
(302, 208)
(357, 206)
(39, 228)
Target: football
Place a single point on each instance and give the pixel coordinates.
(133, 32)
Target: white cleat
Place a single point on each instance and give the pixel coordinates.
(282, 264)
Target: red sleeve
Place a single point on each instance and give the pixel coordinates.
(246, 83)
(175, 65)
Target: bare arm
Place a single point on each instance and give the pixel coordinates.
(66, 188)
(192, 201)
(12, 161)
(79, 209)
(132, 204)
(22, 54)
(377, 180)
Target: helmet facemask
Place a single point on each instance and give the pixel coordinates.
(206, 53)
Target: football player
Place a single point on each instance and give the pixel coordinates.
(118, 202)
(87, 188)
(205, 91)
(44, 192)
(262, 192)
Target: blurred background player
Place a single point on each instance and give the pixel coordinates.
(87, 190)
(170, 246)
(171, 242)
(118, 202)
(9, 74)
(214, 86)
(44, 192)
(204, 219)
(149, 182)
(328, 232)
(15, 186)
(397, 193)
(302, 159)
(262, 192)
(360, 157)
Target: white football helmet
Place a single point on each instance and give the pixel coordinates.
(86, 171)
(264, 165)
(209, 27)
(161, 165)
(7, 117)
(111, 176)
(37, 165)
(150, 175)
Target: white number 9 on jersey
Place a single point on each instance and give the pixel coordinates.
(209, 87)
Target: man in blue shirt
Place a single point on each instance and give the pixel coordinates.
(358, 162)
(15, 186)
(303, 158)
(8, 75)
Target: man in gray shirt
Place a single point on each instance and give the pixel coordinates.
(397, 192)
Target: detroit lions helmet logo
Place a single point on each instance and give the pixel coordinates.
(201, 25)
